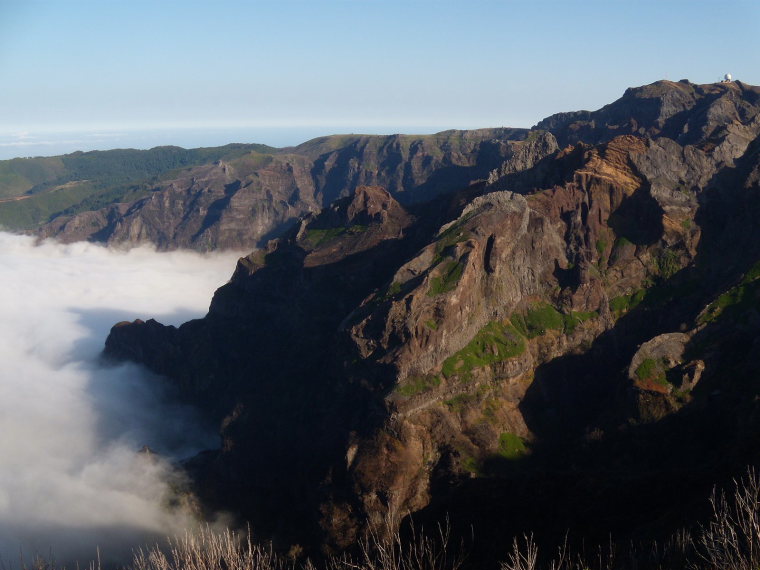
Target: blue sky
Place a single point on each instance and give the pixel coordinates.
(342, 64)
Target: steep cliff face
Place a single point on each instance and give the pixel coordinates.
(243, 202)
(492, 352)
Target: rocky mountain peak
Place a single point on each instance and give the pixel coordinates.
(371, 204)
(682, 111)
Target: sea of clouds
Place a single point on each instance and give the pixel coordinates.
(71, 480)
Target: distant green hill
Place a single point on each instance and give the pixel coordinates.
(33, 190)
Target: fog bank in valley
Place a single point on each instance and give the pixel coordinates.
(70, 427)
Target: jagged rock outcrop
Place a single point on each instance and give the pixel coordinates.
(568, 335)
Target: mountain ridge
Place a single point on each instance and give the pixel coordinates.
(217, 202)
(583, 318)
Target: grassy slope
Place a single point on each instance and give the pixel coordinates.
(19, 175)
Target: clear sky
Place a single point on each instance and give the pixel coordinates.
(76, 65)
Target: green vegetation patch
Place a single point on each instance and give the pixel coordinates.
(19, 175)
(316, 237)
(753, 274)
(574, 318)
(495, 342)
(652, 371)
(447, 281)
(621, 305)
(735, 304)
(252, 161)
(739, 301)
(258, 257)
(431, 324)
(490, 408)
(472, 465)
(511, 446)
(39, 208)
(647, 369)
(543, 317)
(393, 289)
(415, 385)
(668, 263)
(537, 320)
(388, 293)
(448, 239)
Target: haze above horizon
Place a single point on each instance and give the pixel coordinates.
(189, 73)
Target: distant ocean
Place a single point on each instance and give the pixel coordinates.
(40, 143)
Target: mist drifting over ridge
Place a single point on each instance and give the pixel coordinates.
(70, 425)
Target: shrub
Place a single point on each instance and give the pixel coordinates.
(732, 538)
(227, 550)
(729, 541)
(209, 550)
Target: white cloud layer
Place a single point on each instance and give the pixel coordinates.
(70, 477)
